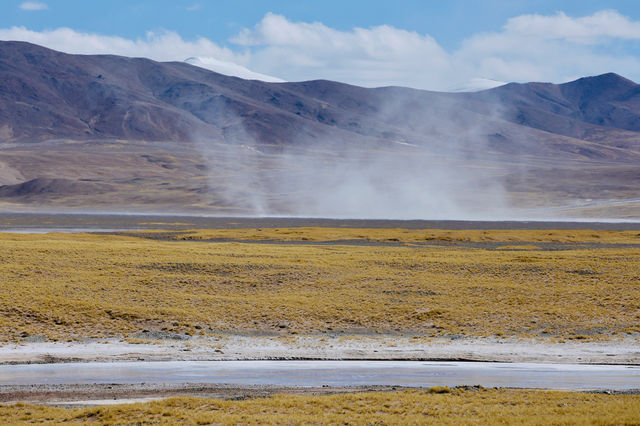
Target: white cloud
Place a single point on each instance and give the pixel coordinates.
(587, 29)
(554, 48)
(193, 7)
(165, 46)
(33, 5)
(528, 48)
(376, 56)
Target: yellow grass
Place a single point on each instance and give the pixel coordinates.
(417, 235)
(66, 286)
(405, 407)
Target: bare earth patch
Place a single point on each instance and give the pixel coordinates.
(327, 348)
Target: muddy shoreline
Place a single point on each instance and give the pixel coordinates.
(107, 384)
(387, 348)
(76, 395)
(70, 396)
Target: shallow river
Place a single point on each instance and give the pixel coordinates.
(331, 373)
(63, 222)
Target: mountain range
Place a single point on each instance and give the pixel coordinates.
(81, 131)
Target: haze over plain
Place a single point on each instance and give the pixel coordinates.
(134, 134)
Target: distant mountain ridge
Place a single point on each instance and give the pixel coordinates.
(46, 94)
(607, 100)
(118, 133)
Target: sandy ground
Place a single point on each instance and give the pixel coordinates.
(624, 351)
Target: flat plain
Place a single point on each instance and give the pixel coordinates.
(577, 284)
(316, 280)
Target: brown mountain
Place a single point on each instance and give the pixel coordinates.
(134, 133)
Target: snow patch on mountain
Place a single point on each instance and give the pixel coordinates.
(477, 84)
(230, 68)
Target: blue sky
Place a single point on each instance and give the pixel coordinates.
(448, 21)
(428, 44)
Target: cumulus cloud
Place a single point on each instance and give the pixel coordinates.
(33, 5)
(588, 29)
(554, 48)
(527, 48)
(375, 56)
(164, 46)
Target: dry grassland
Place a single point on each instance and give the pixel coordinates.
(432, 406)
(69, 286)
(416, 235)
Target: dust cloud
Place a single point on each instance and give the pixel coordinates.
(434, 167)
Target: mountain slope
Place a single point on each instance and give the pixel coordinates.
(81, 130)
(579, 109)
(48, 95)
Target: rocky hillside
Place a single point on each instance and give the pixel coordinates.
(46, 94)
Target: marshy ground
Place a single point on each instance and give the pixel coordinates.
(439, 405)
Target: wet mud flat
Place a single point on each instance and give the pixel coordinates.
(85, 222)
(98, 383)
(87, 383)
(82, 395)
(178, 237)
(70, 395)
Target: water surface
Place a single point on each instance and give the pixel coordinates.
(330, 373)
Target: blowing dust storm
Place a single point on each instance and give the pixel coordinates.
(433, 173)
